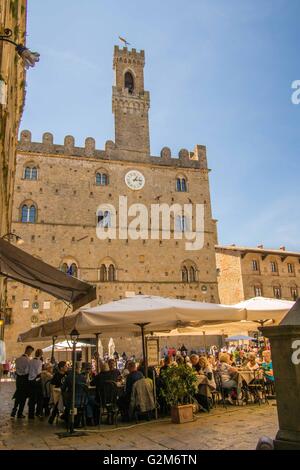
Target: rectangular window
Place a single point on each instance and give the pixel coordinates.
(257, 291)
(294, 293)
(46, 305)
(291, 269)
(273, 267)
(25, 303)
(254, 265)
(277, 292)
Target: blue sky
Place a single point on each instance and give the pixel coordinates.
(219, 73)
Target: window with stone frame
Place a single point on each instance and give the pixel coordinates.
(255, 265)
(101, 179)
(277, 292)
(181, 223)
(69, 268)
(104, 219)
(189, 272)
(28, 213)
(107, 272)
(291, 268)
(181, 184)
(258, 291)
(274, 267)
(294, 292)
(30, 172)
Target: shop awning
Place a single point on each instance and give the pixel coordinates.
(25, 268)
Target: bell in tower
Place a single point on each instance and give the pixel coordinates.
(130, 102)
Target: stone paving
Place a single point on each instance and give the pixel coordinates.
(227, 429)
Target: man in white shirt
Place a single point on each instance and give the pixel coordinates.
(21, 393)
(35, 404)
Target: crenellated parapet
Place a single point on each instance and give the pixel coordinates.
(127, 56)
(184, 159)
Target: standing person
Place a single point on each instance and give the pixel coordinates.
(46, 377)
(56, 381)
(21, 393)
(35, 404)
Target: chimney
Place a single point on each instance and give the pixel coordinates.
(282, 248)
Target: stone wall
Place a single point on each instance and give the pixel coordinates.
(238, 281)
(12, 94)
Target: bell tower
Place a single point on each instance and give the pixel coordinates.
(130, 102)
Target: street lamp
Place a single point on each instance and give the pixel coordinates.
(12, 236)
(29, 58)
(74, 338)
(54, 338)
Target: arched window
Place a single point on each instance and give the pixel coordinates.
(189, 271)
(73, 270)
(129, 82)
(104, 219)
(181, 185)
(64, 268)
(30, 173)
(28, 214)
(103, 273)
(192, 274)
(111, 273)
(184, 274)
(69, 268)
(24, 213)
(101, 179)
(181, 223)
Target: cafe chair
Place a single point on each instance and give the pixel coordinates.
(108, 406)
(142, 401)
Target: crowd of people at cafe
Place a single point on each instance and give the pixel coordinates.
(47, 386)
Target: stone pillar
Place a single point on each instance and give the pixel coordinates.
(285, 348)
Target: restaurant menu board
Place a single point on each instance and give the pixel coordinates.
(152, 346)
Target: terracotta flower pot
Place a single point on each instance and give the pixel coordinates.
(182, 414)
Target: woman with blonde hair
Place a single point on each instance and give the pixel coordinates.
(206, 369)
(227, 373)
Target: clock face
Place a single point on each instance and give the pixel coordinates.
(135, 180)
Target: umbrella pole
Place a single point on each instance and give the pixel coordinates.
(145, 359)
(53, 346)
(204, 337)
(97, 352)
(73, 387)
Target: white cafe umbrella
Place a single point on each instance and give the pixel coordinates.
(127, 316)
(264, 308)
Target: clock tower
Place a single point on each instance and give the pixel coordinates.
(130, 103)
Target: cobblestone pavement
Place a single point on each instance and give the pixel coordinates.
(233, 428)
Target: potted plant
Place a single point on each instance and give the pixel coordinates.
(178, 388)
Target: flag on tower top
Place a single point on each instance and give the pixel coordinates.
(124, 40)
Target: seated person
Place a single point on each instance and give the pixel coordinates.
(195, 362)
(99, 380)
(267, 366)
(206, 369)
(115, 374)
(166, 364)
(227, 372)
(82, 399)
(252, 363)
(133, 376)
(151, 370)
(60, 374)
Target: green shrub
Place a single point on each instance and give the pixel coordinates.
(178, 385)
